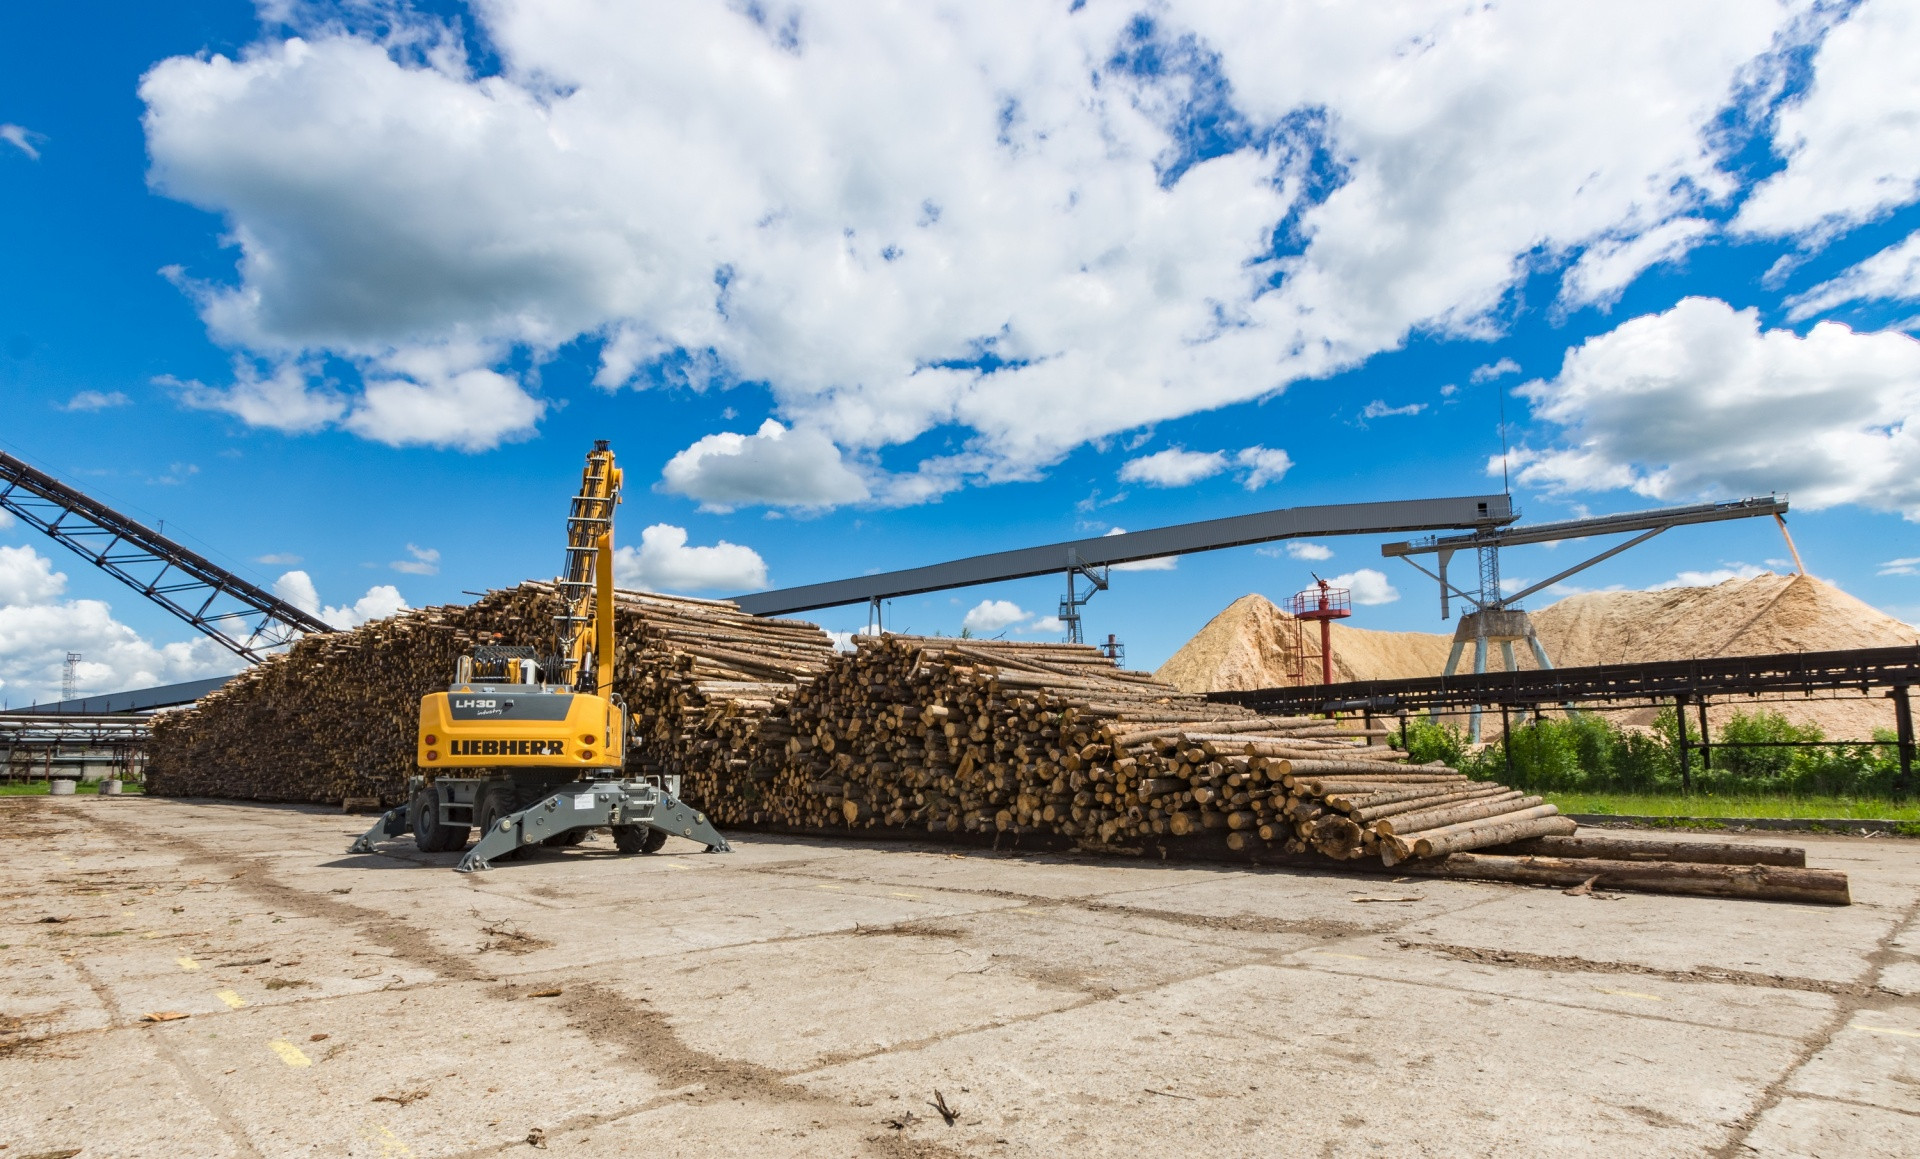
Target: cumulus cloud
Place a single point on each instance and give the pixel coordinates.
(775, 465)
(27, 577)
(664, 563)
(425, 561)
(39, 626)
(1369, 587)
(999, 219)
(1262, 465)
(1378, 409)
(283, 400)
(1852, 143)
(1489, 372)
(1736, 411)
(1256, 466)
(1891, 274)
(1158, 563)
(277, 557)
(381, 601)
(989, 616)
(21, 138)
(1608, 267)
(1301, 549)
(1173, 467)
(92, 400)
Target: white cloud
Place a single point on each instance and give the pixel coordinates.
(775, 465)
(425, 561)
(664, 563)
(282, 401)
(1489, 372)
(1609, 266)
(22, 139)
(1893, 273)
(915, 217)
(1707, 579)
(38, 628)
(277, 557)
(1173, 467)
(27, 577)
(1369, 587)
(994, 615)
(1449, 390)
(381, 601)
(296, 587)
(6, 520)
(1157, 563)
(1263, 465)
(1045, 626)
(1852, 143)
(1378, 409)
(1829, 417)
(434, 402)
(1909, 565)
(92, 400)
(1300, 549)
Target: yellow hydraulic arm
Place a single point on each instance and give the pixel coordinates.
(585, 622)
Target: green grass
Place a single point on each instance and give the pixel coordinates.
(40, 788)
(1704, 805)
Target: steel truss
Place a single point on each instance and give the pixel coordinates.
(242, 617)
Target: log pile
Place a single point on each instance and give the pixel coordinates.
(769, 727)
(334, 717)
(974, 736)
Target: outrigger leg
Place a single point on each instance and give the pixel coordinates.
(392, 823)
(591, 805)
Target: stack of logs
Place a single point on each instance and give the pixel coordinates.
(769, 727)
(986, 736)
(335, 716)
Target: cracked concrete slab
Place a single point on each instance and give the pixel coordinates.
(808, 997)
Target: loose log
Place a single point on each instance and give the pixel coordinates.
(1764, 882)
(1634, 849)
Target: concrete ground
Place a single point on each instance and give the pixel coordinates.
(809, 998)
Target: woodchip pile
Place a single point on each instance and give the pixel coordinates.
(1023, 743)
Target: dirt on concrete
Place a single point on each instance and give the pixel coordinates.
(802, 997)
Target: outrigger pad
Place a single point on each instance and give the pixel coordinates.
(392, 823)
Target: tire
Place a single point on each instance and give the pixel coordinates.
(568, 839)
(655, 839)
(632, 838)
(429, 834)
(495, 803)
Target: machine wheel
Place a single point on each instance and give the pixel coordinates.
(638, 838)
(568, 839)
(496, 803)
(429, 834)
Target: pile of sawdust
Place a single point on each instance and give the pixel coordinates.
(1252, 644)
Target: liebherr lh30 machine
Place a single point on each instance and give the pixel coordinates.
(532, 748)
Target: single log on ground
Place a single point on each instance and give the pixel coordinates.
(1632, 849)
(1762, 882)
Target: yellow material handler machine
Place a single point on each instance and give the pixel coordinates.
(531, 748)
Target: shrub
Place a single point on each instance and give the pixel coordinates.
(1589, 753)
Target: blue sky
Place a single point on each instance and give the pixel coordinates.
(349, 290)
